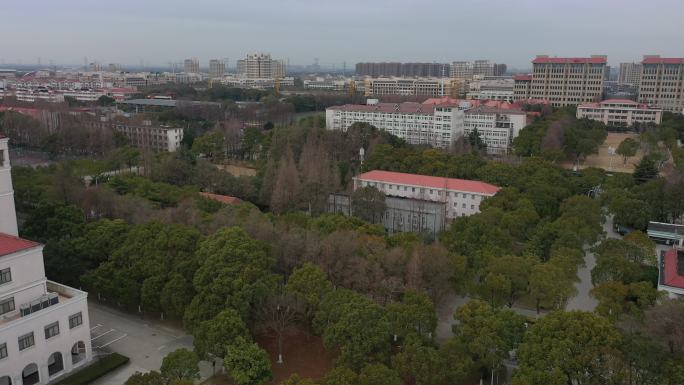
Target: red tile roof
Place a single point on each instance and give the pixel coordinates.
(430, 181)
(227, 199)
(662, 60)
(671, 277)
(564, 60)
(9, 244)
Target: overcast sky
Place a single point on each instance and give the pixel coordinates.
(505, 31)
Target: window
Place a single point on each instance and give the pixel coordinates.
(26, 341)
(75, 320)
(472, 207)
(6, 305)
(5, 276)
(3, 351)
(51, 330)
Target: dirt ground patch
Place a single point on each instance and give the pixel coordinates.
(237, 170)
(302, 354)
(611, 162)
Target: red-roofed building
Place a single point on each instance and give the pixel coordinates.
(10, 244)
(662, 83)
(565, 81)
(620, 112)
(671, 277)
(225, 199)
(461, 197)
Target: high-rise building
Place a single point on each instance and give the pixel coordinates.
(114, 67)
(403, 69)
(500, 69)
(462, 69)
(191, 66)
(568, 81)
(261, 66)
(94, 67)
(217, 68)
(630, 74)
(44, 325)
(662, 83)
(522, 87)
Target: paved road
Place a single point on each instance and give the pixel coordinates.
(145, 342)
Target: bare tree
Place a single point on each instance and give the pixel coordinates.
(276, 315)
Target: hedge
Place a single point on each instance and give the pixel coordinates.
(96, 370)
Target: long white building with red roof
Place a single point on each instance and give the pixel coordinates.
(44, 326)
(460, 197)
(620, 112)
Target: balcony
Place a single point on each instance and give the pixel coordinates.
(56, 296)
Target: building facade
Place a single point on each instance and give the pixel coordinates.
(568, 81)
(620, 112)
(522, 87)
(662, 83)
(630, 74)
(492, 88)
(146, 135)
(436, 126)
(459, 197)
(429, 87)
(217, 68)
(260, 66)
(497, 127)
(394, 69)
(44, 326)
(191, 66)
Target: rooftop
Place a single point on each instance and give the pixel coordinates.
(430, 181)
(631, 103)
(670, 271)
(570, 60)
(9, 244)
(522, 78)
(405, 108)
(662, 60)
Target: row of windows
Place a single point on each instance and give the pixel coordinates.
(27, 340)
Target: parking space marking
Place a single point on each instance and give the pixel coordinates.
(161, 347)
(107, 332)
(112, 341)
(95, 327)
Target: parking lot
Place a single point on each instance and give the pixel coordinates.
(144, 341)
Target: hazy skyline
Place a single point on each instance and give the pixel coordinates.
(511, 32)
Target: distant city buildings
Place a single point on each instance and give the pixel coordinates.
(217, 68)
(620, 112)
(470, 69)
(564, 81)
(260, 66)
(191, 66)
(436, 122)
(492, 88)
(629, 74)
(428, 87)
(662, 83)
(394, 69)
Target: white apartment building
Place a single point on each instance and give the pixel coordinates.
(157, 138)
(260, 84)
(434, 125)
(461, 197)
(44, 326)
(217, 68)
(568, 81)
(620, 112)
(497, 127)
(430, 87)
(491, 89)
(261, 66)
(662, 83)
(191, 66)
(630, 74)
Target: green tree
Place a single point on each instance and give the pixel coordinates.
(622, 260)
(414, 314)
(627, 149)
(568, 348)
(309, 284)
(150, 378)
(379, 374)
(514, 272)
(180, 364)
(105, 101)
(368, 203)
(211, 145)
(212, 336)
(176, 295)
(247, 363)
(617, 299)
(340, 376)
(645, 170)
(419, 364)
(550, 286)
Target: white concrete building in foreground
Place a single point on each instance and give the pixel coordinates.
(44, 326)
(460, 197)
(620, 112)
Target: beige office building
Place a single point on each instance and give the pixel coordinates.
(662, 83)
(261, 66)
(191, 66)
(630, 74)
(217, 68)
(568, 81)
(430, 87)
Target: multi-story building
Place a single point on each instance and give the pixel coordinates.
(191, 66)
(94, 67)
(217, 68)
(568, 81)
(522, 86)
(620, 112)
(257, 83)
(662, 83)
(630, 74)
(261, 66)
(403, 69)
(114, 67)
(430, 87)
(437, 126)
(671, 272)
(497, 127)
(468, 69)
(492, 88)
(146, 135)
(44, 326)
(500, 69)
(460, 197)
